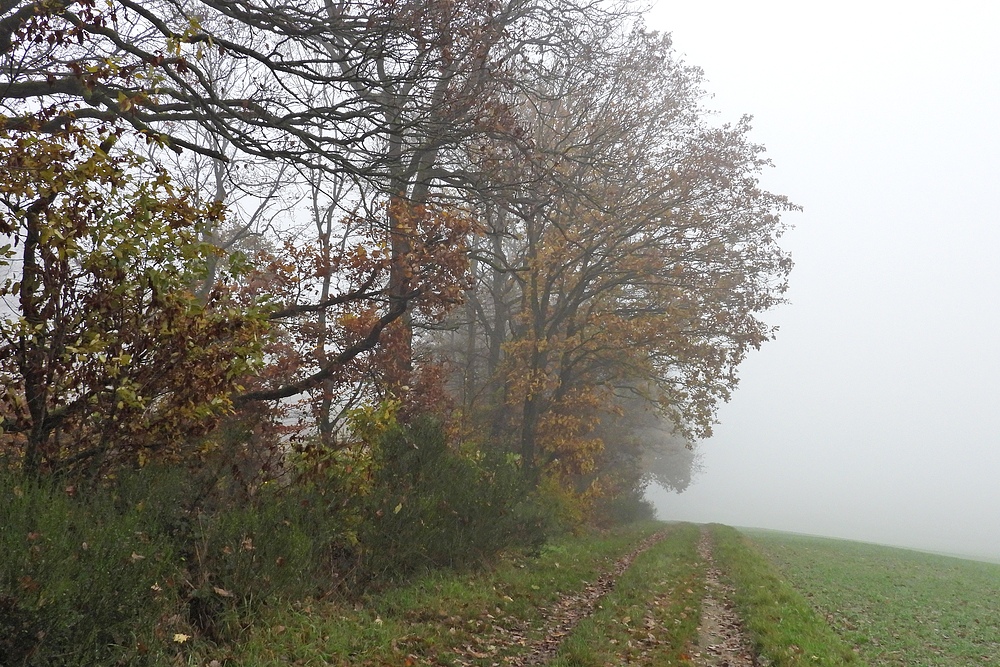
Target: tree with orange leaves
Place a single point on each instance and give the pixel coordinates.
(345, 342)
(633, 255)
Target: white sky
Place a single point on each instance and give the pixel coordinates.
(875, 415)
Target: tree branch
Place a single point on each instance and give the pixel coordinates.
(368, 342)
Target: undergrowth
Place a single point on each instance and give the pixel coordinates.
(81, 583)
(137, 567)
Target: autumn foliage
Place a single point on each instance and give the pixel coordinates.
(397, 284)
(634, 263)
(111, 359)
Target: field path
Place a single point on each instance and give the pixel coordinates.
(571, 609)
(721, 640)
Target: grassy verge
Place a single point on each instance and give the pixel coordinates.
(441, 619)
(651, 617)
(898, 607)
(782, 624)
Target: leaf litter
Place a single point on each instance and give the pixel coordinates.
(722, 641)
(558, 622)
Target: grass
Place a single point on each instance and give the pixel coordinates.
(781, 622)
(898, 607)
(804, 602)
(442, 619)
(651, 617)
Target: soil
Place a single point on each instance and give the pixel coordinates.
(721, 639)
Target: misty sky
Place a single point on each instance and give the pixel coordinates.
(875, 415)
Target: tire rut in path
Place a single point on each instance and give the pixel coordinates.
(722, 641)
(571, 609)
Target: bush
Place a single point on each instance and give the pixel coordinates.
(623, 508)
(269, 548)
(108, 575)
(81, 583)
(431, 506)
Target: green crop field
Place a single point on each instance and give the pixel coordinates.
(895, 606)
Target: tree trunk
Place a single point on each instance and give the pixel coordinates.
(399, 355)
(32, 344)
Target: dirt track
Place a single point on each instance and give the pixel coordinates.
(721, 640)
(570, 610)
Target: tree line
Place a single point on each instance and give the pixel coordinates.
(257, 233)
(304, 298)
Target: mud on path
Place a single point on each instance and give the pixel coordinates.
(721, 639)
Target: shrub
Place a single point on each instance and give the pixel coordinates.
(109, 574)
(431, 506)
(81, 583)
(268, 548)
(627, 507)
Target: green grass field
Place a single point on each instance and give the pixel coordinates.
(897, 607)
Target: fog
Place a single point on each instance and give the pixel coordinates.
(875, 414)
